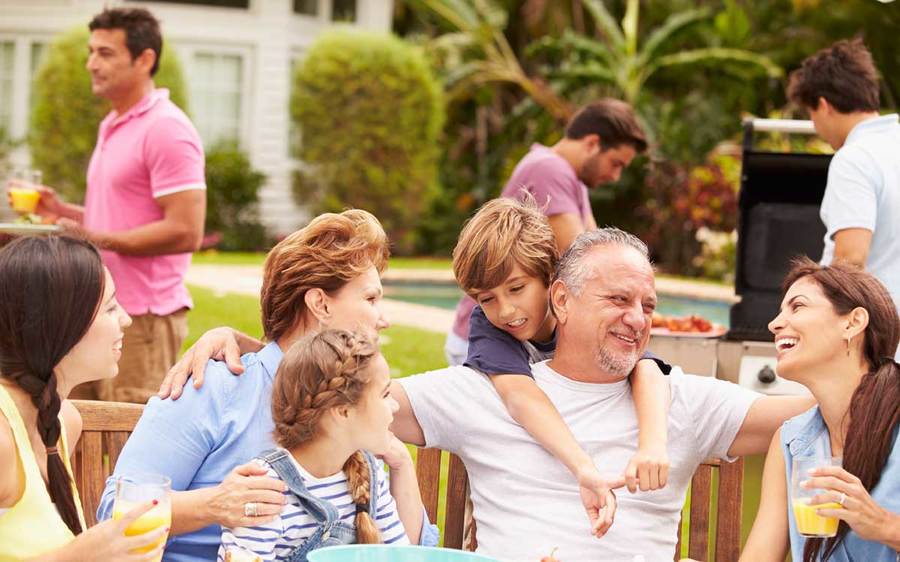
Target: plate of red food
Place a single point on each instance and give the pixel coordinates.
(690, 326)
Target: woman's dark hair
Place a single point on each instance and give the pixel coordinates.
(875, 407)
(50, 290)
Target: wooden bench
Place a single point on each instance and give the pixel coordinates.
(105, 428)
(459, 524)
(107, 425)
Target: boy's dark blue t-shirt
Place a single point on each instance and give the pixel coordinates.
(495, 352)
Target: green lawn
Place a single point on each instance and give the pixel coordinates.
(408, 351)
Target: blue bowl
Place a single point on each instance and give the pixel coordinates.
(388, 553)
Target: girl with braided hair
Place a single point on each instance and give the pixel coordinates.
(323, 276)
(60, 326)
(836, 334)
(332, 409)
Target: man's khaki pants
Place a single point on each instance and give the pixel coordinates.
(151, 346)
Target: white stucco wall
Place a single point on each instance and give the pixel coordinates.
(268, 36)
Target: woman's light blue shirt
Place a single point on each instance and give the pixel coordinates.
(807, 435)
(199, 438)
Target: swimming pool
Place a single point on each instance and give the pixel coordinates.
(446, 296)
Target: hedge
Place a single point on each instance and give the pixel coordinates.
(369, 113)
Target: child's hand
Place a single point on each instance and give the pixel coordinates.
(648, 470)
(598, 499)
(397, 455)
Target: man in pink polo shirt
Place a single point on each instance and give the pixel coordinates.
(145, 203)
(600, 141)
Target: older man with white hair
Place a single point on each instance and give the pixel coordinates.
(525, 501)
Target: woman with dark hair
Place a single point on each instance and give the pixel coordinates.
(836, 334)
(60, 326)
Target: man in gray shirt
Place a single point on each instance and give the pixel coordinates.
(525, 501)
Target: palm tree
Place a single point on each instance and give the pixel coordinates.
(483, 55)
(621, 60)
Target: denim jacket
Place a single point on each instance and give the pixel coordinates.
(807, 435)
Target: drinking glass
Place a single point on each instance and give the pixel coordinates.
(25, 196)
(134, 490)
(810, 523)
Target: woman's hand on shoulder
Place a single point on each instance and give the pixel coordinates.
(107, 541)
(220, 344)
(867, 519)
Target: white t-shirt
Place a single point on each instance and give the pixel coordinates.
(863, 191)
(525, 501)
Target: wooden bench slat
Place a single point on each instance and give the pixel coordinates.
(428, 473)
(108, 416)
(728, 526)
(698, 535)
(457, 488)
(92, 477)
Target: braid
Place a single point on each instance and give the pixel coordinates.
(357, 470)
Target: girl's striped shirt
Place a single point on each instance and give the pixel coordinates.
(276, 539)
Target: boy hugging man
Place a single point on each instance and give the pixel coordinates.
(504, 260)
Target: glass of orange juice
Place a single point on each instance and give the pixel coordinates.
(809, 522)
(134, 490)
(24, 196)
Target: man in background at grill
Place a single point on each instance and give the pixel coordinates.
(600, 141)
(861, 206)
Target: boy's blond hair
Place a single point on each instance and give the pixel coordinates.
(504, 232)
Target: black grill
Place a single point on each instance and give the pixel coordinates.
(778, 219)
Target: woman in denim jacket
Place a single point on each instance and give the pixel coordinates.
(836, 334)
(331, 405)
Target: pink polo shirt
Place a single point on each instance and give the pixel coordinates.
(150, 151)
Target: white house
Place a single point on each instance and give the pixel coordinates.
(237, 55)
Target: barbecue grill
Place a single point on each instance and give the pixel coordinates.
(778, 219)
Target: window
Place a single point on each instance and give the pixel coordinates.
(7, 69)
(343, 10)
(306, 7)
(216, 95)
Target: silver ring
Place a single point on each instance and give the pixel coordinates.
(250, 509)
(843, 498)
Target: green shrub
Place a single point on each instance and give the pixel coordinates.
(66, 114)
(369, 112)
(232, 198)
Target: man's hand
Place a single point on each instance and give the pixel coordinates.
(220, 344)
(50, 206)
(647, 470)
(245, 484)
(598, 499)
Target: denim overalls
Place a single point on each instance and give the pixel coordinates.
(331, 530)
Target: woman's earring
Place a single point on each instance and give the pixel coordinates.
(848, 345)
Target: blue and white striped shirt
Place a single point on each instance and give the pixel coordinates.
(276, 539)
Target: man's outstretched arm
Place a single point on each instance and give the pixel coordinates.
(765, 417)
(405, 426)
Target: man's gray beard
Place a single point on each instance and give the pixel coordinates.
(616, 365)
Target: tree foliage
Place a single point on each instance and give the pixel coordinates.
(369, 112)
(66, 114)
(232, 198)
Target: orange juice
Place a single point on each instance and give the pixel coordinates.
(158, 516)
(810, 523)
(24, 200)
